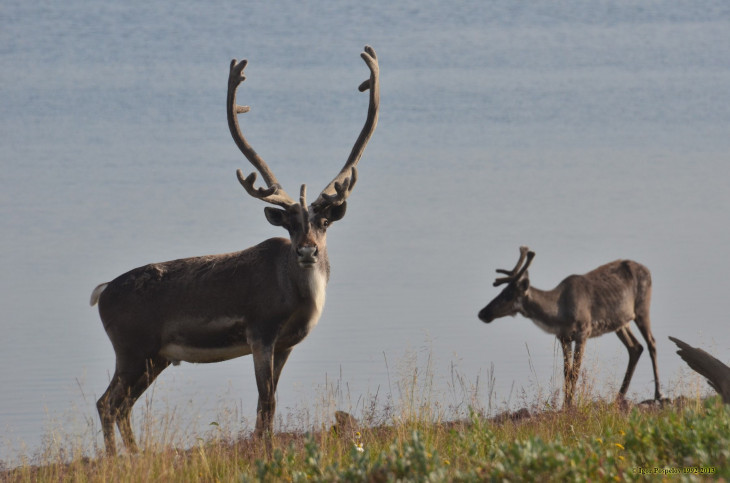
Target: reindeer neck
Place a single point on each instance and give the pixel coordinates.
(541, 306)
(311, 283)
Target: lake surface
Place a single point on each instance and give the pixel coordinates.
(589, 131)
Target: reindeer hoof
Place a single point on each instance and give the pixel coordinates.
(622, 403)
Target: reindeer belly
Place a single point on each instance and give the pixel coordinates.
(205, 341)
(604, 326)
(181, 352)
(612, 314)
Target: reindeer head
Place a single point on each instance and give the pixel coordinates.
(307, 225)
(509, 301)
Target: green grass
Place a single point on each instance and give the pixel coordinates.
(593, 441)
(418, 437)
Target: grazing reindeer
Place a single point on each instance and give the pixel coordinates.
(580, 307)
(261, 301)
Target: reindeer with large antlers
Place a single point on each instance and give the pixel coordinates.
(603, 300)
(261, 301)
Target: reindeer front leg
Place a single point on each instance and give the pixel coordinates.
(263, 362)
(575, 369)
(280, 358)
(567, 346)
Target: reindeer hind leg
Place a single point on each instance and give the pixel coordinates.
(107, 412)
(112, 406)
(643, 322)
(635, 349)
(129, 381)
(154, 367)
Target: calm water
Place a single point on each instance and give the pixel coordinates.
(588, 130)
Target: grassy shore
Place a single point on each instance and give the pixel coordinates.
(688, 439)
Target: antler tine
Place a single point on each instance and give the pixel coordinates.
(304, 213)
(342, 190)
(516, 272)
(345, 180)
(530, 256)
(273, 193)
(523, 254)
(303, 196)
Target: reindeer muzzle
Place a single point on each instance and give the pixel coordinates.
(307, 256)
(487, 315)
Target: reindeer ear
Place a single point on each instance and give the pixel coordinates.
(333, 213)
(337, 212)
(277, 217)
(524, 283)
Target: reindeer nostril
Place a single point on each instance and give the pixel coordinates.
(307, 251)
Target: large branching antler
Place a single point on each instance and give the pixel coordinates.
(517, 272)
(340, 188)
(273, 193)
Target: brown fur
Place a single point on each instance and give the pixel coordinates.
(261, 301)
(603, 300)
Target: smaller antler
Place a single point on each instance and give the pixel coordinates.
(273, 193)
(517, 272)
